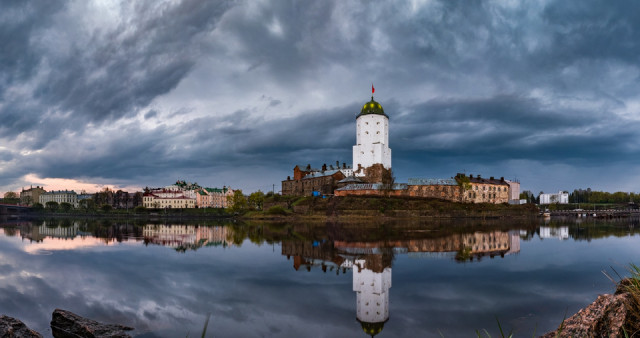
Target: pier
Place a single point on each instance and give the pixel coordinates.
(607, 213)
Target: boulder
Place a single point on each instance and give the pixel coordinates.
(605, 317)
(65, 324)
(11, 327)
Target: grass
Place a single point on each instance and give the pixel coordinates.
(632, 287)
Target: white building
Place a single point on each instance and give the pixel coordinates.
(559, 233)
(514, 190)
(562, 197)
(372, 296)
(61, 196)
(372, 138)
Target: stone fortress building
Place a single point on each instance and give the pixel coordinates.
(371, 173)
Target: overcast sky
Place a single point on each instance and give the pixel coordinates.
(142, 93)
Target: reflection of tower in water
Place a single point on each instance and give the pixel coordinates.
(371, 282)
(370, 262)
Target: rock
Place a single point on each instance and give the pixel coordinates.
(603, 318)
(11, 327)
(65, 324)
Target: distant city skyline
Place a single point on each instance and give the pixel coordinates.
(133, 94)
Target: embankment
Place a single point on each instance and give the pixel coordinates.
(354, 207)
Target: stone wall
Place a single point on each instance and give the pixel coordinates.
(307, 185)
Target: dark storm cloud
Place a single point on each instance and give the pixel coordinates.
(511, 127)
(115, 72)
(19, 22)
(476, 83)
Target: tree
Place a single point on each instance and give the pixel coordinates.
(106, 207)
(10, 195)
(388, 181)
(256, 200)
(52, 205)
(528, 195)
(66, 206)
(237, 202)
(26, 200)
(87, 204)
(37, 206)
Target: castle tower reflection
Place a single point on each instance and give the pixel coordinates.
(370, 262)
(371, 282)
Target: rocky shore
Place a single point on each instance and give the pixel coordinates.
(64, 324)
(611, 316)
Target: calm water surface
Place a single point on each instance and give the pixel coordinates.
(311, 280)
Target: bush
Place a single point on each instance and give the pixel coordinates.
(276, 210)
(37, 206)
(66, 206)
(106, 207)
(139, 208)
(52, 205)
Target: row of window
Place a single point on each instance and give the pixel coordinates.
(491, 188)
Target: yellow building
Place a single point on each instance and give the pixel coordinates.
(167, 199)
(30, 196)
(483, 190)
(213, 197)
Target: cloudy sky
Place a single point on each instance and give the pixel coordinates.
(142, 93)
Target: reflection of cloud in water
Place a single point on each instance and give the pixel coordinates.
(55, 244)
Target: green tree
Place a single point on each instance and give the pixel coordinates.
(256, 200)
(66, 206)
(237, 202)
(37, 206)
(52, 205)
(106, 207)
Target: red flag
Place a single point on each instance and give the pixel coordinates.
(373, 90)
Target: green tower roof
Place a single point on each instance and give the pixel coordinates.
(372, 329)
(372, 107)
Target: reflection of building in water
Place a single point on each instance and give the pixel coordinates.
(59, 231)
(39, 233)
(371, 282)
(559, 232)
(371, 263)
(187, 237)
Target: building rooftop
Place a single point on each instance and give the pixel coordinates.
(371, 186)
(372, 107)
(432, 181)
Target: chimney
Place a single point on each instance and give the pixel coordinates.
(491, 178)
(338, 164)
(502, 179)
(344, 165)
(470, 175)
(324, 167)
(479, 176)
(288, 178)
(308, 167)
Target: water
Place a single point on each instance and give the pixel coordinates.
(312, 280)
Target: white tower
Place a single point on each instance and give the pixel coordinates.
(372, 294)
(372, 138)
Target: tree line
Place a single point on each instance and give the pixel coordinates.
(589, 196)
